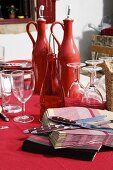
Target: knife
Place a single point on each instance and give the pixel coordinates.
(48, 129)
(23, 64)
(65, 121)
(3, 116)
(3, 127)
(82, 124)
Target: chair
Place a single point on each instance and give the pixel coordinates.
(102, 46)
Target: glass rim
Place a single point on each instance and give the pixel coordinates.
(92, 68)
(94, 61)
(76, 64)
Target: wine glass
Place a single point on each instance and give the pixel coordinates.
(23, 86)
(76, 89)
(106, 58)
(94, 63)
(92, 96)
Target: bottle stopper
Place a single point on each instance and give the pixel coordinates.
(41, 11)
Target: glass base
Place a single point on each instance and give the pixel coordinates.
(24, 119)
(12, 108)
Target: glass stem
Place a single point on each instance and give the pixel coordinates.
(77, 71)
(23, 108)
(95, 74)
(92, 77)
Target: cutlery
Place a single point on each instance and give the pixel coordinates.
(24, 64)
(61, 126)
(58, 119)
(3, 116)
(48, 129)
(45, 129)
(4, 127)
(82, 124)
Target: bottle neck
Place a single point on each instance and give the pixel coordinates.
(41, 26)
(68, 28)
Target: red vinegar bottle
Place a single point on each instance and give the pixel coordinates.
(52, 93)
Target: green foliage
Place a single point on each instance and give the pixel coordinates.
(12, 9)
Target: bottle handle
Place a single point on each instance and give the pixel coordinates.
(28, 30)
(52, 32)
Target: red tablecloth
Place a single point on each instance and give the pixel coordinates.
(13, 158)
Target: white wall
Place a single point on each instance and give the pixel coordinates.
(83, 13)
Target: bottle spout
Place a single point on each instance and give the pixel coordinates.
(68, 11)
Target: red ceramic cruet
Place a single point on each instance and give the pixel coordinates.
(40, 49)
(67, 51)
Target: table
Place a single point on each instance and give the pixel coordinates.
(13, 158)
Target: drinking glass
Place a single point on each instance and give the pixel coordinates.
(76, 89)
(106, 58)
(23, 86)
(94, 63)
(9, 103)
(92, 96)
